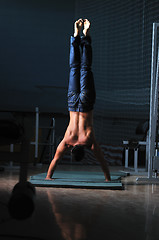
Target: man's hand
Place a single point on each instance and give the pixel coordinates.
(61, 149)
(100, 157)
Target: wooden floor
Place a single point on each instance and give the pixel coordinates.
(78, 214)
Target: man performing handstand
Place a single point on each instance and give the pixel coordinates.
(81, 98)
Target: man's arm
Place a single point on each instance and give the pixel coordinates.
(100, 157)
(61, 149)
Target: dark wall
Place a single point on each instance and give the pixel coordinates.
(34, 48)
(34, 53)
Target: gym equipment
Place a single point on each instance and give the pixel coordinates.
(21, 203)
(135, 146)
(51, 136)
(153, 166)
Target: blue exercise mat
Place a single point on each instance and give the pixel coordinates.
(78, 179)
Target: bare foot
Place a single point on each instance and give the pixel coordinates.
(77, 27)
(87, 25)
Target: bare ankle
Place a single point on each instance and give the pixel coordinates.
(85, 32)
(77, 27)
(86, 27)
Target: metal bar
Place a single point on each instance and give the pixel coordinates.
(53, 137)
(147, 151)
(156, 106)
(11, 150)
(46, 127)
(136, 160)
(126, 157)
(155, 113)
(24, 160)
(139, 142)
(11, 147)
(36, 131)
(151, 145)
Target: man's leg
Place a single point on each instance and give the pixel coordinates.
(87, 95)
(73, 91)
(75, 62)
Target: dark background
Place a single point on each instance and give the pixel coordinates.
(34, 48)
(34, 55)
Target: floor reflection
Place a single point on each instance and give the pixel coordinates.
(69, 218)
(88, 214)
(152, 212)
(85, 214)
